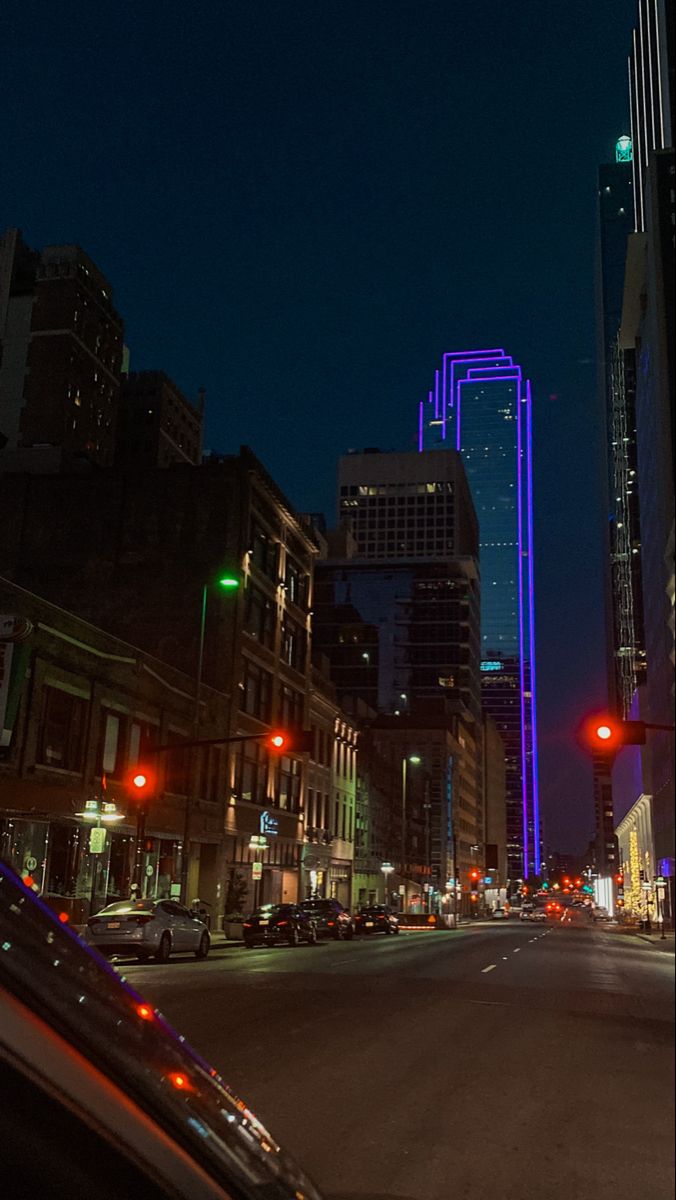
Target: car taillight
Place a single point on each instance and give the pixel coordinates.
(141, 920)
(247, 924)
(330, 922)
(282, 922)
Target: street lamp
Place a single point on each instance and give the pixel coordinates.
(100, 813)
(414, 760)
(229, 582)
(387, 870)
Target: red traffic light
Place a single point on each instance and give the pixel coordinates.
(606, 734)
(291, 741)
(474, 874)
(140, 782)
(619, 879)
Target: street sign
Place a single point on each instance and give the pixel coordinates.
(150, 870)
(256, 871)
(647, 887)
(402, 890)
(258, 842)
(269, 823)
(30, 863)
(97, 840)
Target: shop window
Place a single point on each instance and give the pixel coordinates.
(62, 726)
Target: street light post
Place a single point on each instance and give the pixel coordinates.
(387, 870)
(228, 582)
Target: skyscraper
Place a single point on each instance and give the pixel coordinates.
(60, 359)
(617, 387)
(481, 406)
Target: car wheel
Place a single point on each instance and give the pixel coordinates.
(338, 935)
(203, 948)
(349, 933)
(294, 937)
(164, 949)
(387, 929)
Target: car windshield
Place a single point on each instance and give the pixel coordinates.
(273, 910)
(47, 967)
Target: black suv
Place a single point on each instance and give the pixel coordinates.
(331, 919)
(377, 918)
(273, 924)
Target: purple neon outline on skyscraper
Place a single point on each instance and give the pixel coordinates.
(531, 620)
(421, 426)
(499, 372)
(522, 672)
(458, 404)
(436, 394)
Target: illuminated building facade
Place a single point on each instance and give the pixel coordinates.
(480, 405)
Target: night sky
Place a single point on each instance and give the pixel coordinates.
(301, 205)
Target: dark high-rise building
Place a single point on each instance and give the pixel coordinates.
(61, 357)
(617, 386)
(156, 424)
(399, 617)
(480, 405)
(646, 333)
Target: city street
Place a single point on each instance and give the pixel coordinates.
(511, 1060)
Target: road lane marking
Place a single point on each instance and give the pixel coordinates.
(504, 958)
(491, 968)
(517, 950)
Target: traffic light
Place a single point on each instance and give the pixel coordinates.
(291, 741)
(474, 875)
(607, 735)
(619, 879)
(140, 783)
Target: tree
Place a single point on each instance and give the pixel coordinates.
(235, 894)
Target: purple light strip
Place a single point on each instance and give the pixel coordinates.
(531, 619)
(443, 398)
(522, 675)
(420, 427)
(458, 407)
(436, 395)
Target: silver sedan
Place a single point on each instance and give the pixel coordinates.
(147, 929)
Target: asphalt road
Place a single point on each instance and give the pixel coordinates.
(507, 1061)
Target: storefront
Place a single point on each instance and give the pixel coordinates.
(56, 855)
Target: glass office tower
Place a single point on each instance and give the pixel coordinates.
(481, 405)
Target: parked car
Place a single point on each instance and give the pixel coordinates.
(330, 918)
(499, 914)
(147, 929)
(110, 1100)
(600, 913)
(274, 924)
(539, 914)
(376, 918)
(527, 914)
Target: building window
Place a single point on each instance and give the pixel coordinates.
(257, 692)
(264, 551)
(291, 709)
(62, 725)
(293, 644)
(288, 784)
(259, 617)
(296, 583)
(251, 773)
(110, 757)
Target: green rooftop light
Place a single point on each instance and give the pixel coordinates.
(623, 149)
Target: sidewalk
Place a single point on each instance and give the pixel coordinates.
(666, 943)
